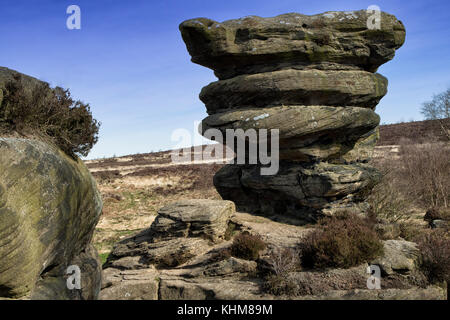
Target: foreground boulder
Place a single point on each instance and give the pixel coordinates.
(49, 207)
(313, 79)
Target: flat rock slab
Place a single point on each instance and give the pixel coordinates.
(161, 254)
(288, 232)
(148, 284)
(330, 40)
(230, 267)
(130, 285)
(172, 288)
(295, 87)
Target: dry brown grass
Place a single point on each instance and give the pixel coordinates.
(426, 173)
(247, 246)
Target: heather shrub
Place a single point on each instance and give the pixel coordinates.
(341, 241)
(48, 113)
(280, 285)
(435, 249)
(437, 214)
(220, 255)
(281, 263)
(247, 246)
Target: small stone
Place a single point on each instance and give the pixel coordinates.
(399, 257)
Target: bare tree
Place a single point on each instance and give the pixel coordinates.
(439, 109)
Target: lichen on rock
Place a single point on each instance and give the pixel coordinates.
(49, 207)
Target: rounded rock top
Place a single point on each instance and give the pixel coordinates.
(331, 40)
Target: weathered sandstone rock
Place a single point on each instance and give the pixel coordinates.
(207, 276)
(296, 189)
(399, 256)
(329, 41)
(295, 87)
(313, 79)
(306, 133)
(181, 231)
(130, 284)
(195, 218)
(49, 207)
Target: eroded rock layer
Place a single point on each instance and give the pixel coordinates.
(312, 78)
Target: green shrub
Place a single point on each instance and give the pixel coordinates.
(342, 241)
(103, 257)
(247, 246)
(435, 249)
(48, 113)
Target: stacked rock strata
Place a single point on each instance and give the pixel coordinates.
(312, 78)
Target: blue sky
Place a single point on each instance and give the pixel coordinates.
(129, 61)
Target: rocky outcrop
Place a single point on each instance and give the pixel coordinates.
(180, 243)
(312, 78)
(49, 207)
(210, 273)
(181, 231)
(207, 219)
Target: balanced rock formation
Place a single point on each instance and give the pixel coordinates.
(312, 78)
(49, 207)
